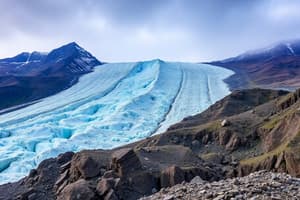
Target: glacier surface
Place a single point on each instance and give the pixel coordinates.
(112, 106)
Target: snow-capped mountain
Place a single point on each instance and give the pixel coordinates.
(70, 58)
(288, 48)
(114, 105)
(277, 66)
(31, 76)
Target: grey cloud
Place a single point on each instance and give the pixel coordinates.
(118, 30)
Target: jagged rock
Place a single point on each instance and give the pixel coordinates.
(88, 167)
(62, 178)
(224, 137)
(32, 173)
(104, 186)
(64, 157)
(65, 166)
(110, 174)
(171, 176)
(78, 190)
(125, 161)
(206, 138)
(292, 162)
(233, 143)
(111, 195)
(197, 180)
(88, 164)
(279, 161)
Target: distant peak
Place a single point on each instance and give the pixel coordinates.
(24, 54)
(158, 60)
(71, 45)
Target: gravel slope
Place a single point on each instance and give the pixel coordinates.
(258, 185)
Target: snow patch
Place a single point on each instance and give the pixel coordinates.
(288, 45)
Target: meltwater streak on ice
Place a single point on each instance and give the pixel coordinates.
(114, 105)
(202, 86)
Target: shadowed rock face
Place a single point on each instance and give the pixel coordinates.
(31, 76)
(264, 135)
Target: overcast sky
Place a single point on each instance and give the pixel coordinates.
(131, 30)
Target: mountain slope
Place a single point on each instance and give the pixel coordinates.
(275, 67)
(30, 76)
(263, 135)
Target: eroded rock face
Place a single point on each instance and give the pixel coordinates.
(125, 161)
(79, 190)
(292, 160)
(89, 164)
(171, 176)
(105, 185)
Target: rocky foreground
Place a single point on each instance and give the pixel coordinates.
(247, 131)
(258, 185)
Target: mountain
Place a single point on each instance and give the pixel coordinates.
(261, 134)
(276, 67)
(30, 76)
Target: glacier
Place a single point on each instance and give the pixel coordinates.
(114, 105)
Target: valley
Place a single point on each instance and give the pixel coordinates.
(115, 105)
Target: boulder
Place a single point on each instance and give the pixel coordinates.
(104, 186)
(197, 180)
(78, 190)
(125, 161)
(89, 164)
(87, 167)
(225, 122)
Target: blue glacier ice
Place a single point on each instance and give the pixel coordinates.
(114, 105)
